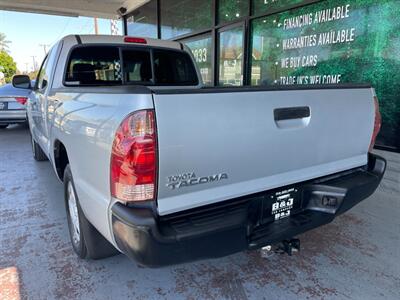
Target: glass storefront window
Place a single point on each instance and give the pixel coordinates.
(334, 42)
(267, 6)
(180, 17)
(231, 56)
(201, 49)
(143, 21)
(231, 10)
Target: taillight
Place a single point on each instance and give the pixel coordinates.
(377, 124)
(21, 100)
(134, 158)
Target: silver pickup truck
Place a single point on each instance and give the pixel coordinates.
(166, 171)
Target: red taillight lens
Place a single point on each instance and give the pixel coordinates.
(377, 124)
(21, 100)
(131, 39)
(134, 158)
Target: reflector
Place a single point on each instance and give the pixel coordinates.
(377, 124)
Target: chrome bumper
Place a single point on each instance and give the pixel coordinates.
(12, 116)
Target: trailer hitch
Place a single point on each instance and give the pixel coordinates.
(286, 246)
(289, 247)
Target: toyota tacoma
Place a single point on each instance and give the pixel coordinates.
(164, 170)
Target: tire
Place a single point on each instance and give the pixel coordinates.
(3, 126)
(38, 153)
(86, 241)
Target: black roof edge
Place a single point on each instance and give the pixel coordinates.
(78, 39)
(110, 89)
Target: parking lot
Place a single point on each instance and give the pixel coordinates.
(355, 257)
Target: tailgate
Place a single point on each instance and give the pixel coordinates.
(218, 144)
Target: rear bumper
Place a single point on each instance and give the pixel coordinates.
(12, 116)
(237, 224)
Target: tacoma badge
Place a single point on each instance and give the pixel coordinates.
(190, 179)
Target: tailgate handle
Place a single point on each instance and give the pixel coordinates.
(291, 113)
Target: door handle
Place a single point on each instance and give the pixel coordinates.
(291, 113)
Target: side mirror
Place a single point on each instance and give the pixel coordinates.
(21, 82)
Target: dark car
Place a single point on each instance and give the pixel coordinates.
(13, 105)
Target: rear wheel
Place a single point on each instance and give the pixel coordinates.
(38, 153)
(73, 222)
(86, 241)
(3, 126)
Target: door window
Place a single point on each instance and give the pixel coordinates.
(41, 80)
(44, 74)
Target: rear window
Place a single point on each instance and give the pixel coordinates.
(103, 65)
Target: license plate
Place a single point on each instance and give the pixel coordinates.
(284, 203)
(3, 105)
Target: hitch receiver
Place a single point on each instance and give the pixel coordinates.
(289, 246)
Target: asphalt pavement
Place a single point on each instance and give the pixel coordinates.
(355, 257)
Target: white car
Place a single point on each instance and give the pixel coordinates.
(165, 171)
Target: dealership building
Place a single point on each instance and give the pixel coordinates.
(269, 42)
(286, 42)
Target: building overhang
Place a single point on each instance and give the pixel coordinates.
(109, 9)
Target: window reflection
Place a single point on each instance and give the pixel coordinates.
(265, 6)
(201, 50)
(231, 56)
(231, 10)
(143, 21)
(356, 46)
(180, 17)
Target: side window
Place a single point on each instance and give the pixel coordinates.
(93, 65)
(174, 68)
(41, 79)
(44, 74)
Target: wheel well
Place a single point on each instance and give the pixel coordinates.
(60, 158)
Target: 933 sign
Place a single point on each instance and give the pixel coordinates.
(200, 55)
